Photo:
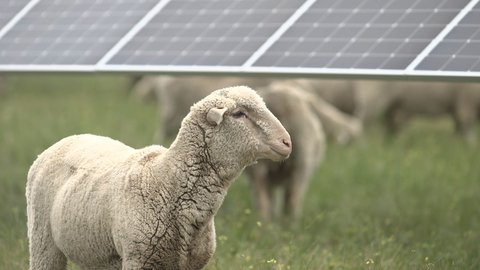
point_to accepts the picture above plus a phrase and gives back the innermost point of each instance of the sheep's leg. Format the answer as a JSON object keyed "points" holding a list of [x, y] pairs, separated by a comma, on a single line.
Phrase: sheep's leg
{"points": [[44, 254], [465, 115], [262, 192], [395, 119], [294, 194]]}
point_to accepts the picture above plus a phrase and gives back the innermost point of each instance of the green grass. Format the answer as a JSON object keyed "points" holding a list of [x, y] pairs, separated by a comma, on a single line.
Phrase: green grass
{"points": [[411, 202]]}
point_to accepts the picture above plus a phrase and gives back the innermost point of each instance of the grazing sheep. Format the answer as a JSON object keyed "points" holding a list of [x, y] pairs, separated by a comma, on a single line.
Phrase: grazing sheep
{"points": [[339, 93], [296, 112], [402, 100], [175, 95], [467, 110], [349, 96], [105, 205], [339, 126]]}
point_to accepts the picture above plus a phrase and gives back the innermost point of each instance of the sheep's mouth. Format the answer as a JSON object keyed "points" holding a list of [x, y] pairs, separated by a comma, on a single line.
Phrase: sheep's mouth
{"points": [[280, 152], [274, 151]]}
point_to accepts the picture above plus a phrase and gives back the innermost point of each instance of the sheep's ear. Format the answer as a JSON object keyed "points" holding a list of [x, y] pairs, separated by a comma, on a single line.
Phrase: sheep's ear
{"points": [[215, 115]]}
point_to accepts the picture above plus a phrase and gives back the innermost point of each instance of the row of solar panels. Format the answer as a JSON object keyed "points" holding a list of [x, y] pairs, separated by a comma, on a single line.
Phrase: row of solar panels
{"points": [[343, 37]]}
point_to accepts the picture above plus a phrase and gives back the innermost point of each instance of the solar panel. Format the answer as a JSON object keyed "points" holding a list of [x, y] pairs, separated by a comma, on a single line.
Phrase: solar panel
{"points": [[77, 32], [361, 34], [460, 49], [205, 33], [323, 37]]}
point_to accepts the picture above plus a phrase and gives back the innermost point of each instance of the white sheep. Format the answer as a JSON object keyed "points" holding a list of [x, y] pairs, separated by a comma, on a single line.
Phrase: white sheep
{"points": [[404, 100], [104, 205], [398, 101], [175, 94], [296, 110]]}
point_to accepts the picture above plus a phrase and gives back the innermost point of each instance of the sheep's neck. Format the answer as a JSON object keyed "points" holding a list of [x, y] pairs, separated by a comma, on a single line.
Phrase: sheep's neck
{"points": [[202, 185], [191, 146]]}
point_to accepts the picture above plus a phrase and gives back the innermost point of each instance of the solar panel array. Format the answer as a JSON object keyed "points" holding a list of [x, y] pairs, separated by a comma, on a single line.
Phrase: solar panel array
{"points": [[363, 37]]}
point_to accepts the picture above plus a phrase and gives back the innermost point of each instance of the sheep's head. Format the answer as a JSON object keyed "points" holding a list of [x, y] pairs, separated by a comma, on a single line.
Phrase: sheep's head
{"points": [[239, 128]]}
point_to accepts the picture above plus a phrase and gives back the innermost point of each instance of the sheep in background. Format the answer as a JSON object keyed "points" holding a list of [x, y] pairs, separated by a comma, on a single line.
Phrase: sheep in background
{"points": [[339, 93], [297, 114], [467, 110], [105, 205], [142, 87], [340, 126], [175, 95], [351, 97], [399, 101]]}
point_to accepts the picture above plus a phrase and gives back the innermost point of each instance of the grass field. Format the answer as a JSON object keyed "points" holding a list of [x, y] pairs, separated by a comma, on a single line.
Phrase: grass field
{"points": [[412, 202]]}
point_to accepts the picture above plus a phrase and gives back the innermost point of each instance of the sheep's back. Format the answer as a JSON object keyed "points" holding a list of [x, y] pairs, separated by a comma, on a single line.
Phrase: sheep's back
{"points": [[72, 184]]}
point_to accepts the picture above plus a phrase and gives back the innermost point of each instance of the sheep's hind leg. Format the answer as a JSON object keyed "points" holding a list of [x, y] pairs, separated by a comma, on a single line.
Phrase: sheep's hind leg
{"points": [[44, 254]]}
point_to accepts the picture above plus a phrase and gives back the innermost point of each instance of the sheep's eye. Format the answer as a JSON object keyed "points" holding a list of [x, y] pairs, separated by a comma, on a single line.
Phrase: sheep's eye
{"points": [[239, 114]]}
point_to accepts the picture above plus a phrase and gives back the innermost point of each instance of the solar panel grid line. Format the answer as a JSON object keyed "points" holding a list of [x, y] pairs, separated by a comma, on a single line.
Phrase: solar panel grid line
{"points": [[418, 28], [68, 49], [135, 29], [18, 17], [441, 35], [228, 11], [285, 26], [477, 63], [341, 52], [325, 11], [54, 41], [458, 54], [406, 39]]}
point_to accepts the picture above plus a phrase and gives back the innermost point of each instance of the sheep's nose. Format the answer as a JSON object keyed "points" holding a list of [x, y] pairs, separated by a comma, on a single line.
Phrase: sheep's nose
{"points": [[287, 143]]}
